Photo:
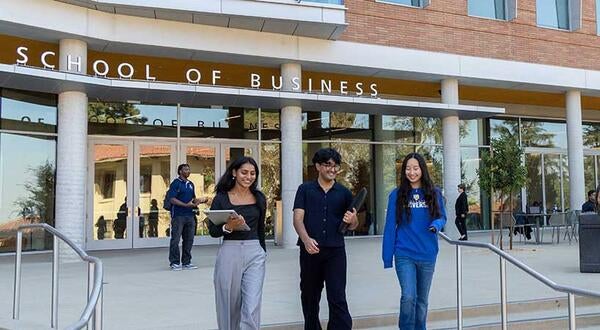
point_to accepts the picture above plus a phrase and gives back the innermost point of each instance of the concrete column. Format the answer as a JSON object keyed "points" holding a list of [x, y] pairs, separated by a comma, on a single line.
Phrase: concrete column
{"points": [[575, 150], [71, 158], [451, 142], [291, 154]]}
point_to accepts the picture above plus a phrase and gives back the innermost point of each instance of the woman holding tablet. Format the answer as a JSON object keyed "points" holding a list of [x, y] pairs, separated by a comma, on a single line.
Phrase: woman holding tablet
{"points": [[240, 265]]}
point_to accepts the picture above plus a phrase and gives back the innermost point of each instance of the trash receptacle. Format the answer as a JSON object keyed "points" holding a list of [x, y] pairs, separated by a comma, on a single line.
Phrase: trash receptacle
{"points": [[589, 243]]}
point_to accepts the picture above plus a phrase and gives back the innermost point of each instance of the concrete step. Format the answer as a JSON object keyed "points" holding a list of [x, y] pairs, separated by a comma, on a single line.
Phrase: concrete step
{"points": [[552, 313], [7, 323]]}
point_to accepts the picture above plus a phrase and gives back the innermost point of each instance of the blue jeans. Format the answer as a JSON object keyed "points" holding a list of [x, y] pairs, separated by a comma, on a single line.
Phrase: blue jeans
{"points": [[415, 281]]}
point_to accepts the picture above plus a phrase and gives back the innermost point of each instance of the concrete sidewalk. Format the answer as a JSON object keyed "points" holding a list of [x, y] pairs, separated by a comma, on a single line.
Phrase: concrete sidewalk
{"points": [[142, 293]]}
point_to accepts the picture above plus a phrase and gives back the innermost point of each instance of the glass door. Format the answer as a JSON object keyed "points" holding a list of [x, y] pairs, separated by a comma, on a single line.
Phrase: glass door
{"points": [[205, 172], [110, 173], [154, 169]]}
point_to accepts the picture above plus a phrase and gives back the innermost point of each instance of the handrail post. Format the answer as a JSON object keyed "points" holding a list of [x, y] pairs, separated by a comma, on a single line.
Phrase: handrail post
{"points": [[98, 310], [91, 269], [503, 312], [459, 314], [55, 263], [17, 284], [572, 315]]}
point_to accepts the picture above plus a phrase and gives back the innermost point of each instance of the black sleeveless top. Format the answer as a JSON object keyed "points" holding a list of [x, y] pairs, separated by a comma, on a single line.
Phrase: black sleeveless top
{"points": [[254, 215]]}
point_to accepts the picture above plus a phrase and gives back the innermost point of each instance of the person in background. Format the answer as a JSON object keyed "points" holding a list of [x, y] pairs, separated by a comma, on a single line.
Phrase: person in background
{"points": [[153, 219], [240, 267], [183, 200], [590, 204], [415, 214], [462, 208]]}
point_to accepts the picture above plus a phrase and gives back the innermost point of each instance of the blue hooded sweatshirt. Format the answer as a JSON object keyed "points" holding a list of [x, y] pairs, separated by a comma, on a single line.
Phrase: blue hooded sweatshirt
{"points": [[412, 239]]}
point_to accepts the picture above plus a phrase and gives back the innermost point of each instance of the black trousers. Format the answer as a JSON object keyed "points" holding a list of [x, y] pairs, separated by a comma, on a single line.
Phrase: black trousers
{"points": [[461, 224], [181, 227], [326, 267]]}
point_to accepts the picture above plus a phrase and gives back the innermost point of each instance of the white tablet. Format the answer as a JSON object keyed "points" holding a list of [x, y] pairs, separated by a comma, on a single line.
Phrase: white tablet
{"points": [[219, 217]]}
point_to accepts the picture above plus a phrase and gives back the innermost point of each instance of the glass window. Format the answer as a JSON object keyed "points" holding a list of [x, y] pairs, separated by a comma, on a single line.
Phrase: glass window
{"points": [[26, 188], [270, 125], [533, 163], [270, 175], [543, 134], [413, 3], [28, 111], [428, 130], [504, 127], [337, 125], [395, 128], [478, 217], [591, 135], [117, 118], [471, 132], [589, 171], [488, 8], [219, 122], [553, 13], [598, 17]]}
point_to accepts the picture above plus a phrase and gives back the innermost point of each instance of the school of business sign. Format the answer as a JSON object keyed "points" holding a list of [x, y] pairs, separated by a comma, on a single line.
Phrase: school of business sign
{"points": [[125, 70]]}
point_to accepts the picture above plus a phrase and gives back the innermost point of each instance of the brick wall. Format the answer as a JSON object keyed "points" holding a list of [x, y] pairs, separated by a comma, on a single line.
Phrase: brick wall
{"points": [[444, 26]]}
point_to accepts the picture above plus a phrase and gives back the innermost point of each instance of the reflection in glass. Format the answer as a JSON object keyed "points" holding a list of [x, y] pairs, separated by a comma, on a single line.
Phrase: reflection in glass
{"points": [[413, 3], [589, 172], [116, 118], [434, 156], [471, 132], [500, 128], [202, 166], [428, 130], [155, 177], [395, 128], [533, 163], [552, 165], [591, 136], [478, 216], [565, 183], [26, 189], [553, 13], [337, 125], [487, 8], [270, 125], [219, 122], [110, 210], [270, 175], [543, 134], [28, 111]]}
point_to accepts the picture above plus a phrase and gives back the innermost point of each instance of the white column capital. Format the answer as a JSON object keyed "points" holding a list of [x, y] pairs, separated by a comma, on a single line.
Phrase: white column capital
{"points": [[73, 56]]}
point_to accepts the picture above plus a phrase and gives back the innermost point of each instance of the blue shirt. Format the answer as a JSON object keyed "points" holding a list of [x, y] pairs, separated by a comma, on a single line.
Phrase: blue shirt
{"points": [[323, 211], [412, 238], [183, 190]]}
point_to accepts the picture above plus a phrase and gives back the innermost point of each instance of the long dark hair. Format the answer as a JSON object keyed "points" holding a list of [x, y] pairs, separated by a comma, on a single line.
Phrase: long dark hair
{"points": [[404, 190], [227, 181], [596, 205]]}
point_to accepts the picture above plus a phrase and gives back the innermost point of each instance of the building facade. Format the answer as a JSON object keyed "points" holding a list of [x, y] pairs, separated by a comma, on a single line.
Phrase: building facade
{"points": [[101, 100]]}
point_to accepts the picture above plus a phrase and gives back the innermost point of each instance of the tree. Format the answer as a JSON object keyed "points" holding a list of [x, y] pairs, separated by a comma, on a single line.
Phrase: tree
{"points": [[502, 171]]}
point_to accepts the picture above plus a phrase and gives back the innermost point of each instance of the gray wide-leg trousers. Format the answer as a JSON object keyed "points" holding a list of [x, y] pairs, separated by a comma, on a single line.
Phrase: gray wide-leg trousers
{"points": [[238, 279]]}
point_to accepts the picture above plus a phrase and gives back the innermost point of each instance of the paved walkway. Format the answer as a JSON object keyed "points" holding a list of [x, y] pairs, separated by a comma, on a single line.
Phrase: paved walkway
{"points": [[143, 294]]}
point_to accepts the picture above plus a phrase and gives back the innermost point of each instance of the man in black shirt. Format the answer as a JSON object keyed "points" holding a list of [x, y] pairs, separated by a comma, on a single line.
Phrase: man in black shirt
{"points": [[462, 208], [590, 205], [319, 208]]}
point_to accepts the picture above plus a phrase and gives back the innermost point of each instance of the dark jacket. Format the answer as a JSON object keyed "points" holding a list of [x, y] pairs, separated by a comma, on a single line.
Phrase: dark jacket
{"points": [[461, 206]]}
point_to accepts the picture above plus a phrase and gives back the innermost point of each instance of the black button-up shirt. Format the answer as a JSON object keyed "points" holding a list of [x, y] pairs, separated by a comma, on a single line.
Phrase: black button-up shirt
{"points": [[323, 211]]}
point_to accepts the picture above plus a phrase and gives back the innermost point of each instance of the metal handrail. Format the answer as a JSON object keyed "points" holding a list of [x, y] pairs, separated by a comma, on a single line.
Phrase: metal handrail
{"points": [[95, 278], [569, 290]]}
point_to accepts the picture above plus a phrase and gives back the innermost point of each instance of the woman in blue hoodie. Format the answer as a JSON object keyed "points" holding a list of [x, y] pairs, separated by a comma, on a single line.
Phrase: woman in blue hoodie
{"points": [[415, 213]]}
